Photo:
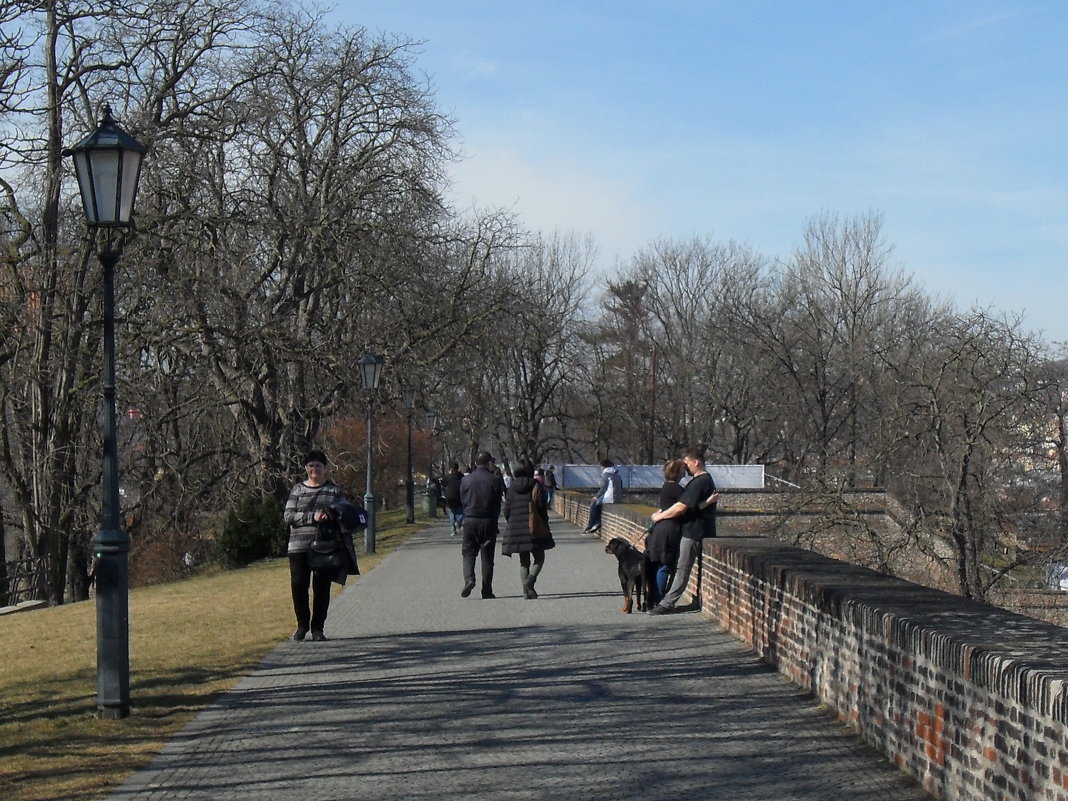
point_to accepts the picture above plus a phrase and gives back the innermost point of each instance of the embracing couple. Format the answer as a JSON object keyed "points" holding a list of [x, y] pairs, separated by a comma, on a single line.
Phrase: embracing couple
{"points": [[691, 518]]}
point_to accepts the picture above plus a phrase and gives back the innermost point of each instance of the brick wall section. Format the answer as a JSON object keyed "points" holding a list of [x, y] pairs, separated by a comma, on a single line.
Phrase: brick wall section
{"points": [[970, 699]]}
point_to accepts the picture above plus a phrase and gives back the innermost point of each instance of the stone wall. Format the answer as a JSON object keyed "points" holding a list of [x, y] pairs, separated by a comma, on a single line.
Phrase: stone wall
{"points": [[862, 527], [1050, 605], [970, 699]]}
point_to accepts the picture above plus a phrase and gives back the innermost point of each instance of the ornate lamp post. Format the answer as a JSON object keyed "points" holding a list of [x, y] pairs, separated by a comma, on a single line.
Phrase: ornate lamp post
{"points": [[371, 369], [408, 394], [108, 165]]}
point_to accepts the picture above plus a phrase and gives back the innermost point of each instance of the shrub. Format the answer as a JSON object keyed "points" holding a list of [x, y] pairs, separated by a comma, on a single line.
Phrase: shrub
{"points": [[252, 531]]}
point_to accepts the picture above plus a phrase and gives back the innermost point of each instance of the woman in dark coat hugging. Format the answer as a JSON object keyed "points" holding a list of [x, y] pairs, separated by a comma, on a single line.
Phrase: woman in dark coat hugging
{"points": [[527, 532], [662, 544]]}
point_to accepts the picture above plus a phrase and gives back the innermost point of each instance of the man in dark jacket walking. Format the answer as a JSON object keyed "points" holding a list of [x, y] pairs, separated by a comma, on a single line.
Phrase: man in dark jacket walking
{"points": [[481, 492]]}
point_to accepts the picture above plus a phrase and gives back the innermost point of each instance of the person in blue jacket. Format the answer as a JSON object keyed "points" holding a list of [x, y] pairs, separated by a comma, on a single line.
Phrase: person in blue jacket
{"points": [[611, 491]]}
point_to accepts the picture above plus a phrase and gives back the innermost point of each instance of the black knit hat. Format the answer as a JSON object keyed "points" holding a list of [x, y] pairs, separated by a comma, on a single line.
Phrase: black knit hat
{"points": [[315, 456]]}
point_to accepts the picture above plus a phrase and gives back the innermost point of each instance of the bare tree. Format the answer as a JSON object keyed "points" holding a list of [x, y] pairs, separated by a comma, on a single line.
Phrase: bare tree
{"points": [[963, 398], [823, 324], [535, 341], [46, 389], [325, 165], [83, 55]]}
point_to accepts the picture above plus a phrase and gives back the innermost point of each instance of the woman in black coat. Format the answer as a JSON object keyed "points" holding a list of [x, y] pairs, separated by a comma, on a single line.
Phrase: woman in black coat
{"points": [[527, 530], [662, 544]]}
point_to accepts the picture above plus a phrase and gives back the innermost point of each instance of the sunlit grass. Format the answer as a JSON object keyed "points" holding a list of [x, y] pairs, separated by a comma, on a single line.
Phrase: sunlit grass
{"points": [[189, 641]]}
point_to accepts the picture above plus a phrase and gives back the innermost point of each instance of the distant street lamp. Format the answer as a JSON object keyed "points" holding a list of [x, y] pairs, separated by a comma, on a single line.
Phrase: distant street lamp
{"points": [[108, 165], [371, 369], [441, 432], [432, 500], [432, 424], [408, 394]]}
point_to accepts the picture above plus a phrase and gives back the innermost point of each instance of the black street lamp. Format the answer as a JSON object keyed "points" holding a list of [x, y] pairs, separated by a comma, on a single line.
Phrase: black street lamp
{"points": [[432, 501], [408, 394], [371, 369], [108, 166]]}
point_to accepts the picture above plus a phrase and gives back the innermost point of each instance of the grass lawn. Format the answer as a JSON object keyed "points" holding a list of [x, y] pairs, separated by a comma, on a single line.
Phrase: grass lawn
{"points": [[189, 642]]}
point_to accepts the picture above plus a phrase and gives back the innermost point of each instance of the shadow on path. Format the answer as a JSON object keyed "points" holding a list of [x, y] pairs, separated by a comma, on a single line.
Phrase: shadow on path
{"points": [[423, 695]]}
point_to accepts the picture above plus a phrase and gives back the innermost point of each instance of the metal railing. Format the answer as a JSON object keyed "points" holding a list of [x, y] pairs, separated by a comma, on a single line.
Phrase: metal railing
{"points": [[22, 580]]}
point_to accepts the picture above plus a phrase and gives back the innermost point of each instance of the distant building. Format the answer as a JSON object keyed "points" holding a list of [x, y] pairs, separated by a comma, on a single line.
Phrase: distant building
{"points": [[1058, 576]]}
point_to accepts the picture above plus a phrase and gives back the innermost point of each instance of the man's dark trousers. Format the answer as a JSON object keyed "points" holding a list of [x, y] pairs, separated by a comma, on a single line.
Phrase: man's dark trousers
{"points": [[480, 538]]}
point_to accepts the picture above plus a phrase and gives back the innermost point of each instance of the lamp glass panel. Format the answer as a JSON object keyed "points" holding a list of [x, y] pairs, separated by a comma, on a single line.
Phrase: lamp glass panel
{"points": [[85, 184], [105, 172], [371, 367], [131, 169]]}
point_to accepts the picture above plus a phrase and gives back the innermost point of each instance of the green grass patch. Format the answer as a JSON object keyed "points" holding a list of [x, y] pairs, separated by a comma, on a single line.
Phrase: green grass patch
{"points": [[190, 641]]}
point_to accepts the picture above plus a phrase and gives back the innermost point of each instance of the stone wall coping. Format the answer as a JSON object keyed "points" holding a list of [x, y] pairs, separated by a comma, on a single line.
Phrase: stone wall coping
{"points": [[747, 502]]}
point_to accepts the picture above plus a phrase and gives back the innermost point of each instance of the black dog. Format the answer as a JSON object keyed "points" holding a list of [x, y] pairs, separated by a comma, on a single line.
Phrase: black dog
{"points": [[634, 573]]}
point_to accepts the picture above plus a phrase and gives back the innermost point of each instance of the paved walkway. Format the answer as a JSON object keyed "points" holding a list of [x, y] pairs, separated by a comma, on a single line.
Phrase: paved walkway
{"points": [[421, 694]]}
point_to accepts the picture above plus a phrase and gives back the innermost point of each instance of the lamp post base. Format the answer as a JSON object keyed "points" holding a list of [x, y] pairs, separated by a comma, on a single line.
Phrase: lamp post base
{"points": [[112, 625], [112, 712], [369, 532]]}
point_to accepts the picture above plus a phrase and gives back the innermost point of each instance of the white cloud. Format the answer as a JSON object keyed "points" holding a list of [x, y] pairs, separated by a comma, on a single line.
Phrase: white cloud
{"points": [[471, 65], [546, 190], [966, 28]]}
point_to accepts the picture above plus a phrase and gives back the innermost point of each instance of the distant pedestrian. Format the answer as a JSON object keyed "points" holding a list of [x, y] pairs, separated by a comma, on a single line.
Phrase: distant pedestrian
{"points": [[611, 491], [527, 532], [434, 491], [696, 512], [308, 505], [454, 504], [481, 492], [550, 485]]}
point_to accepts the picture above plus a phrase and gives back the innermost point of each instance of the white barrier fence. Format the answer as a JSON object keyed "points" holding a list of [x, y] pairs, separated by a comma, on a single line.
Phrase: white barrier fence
{"points": [[651, 476]]}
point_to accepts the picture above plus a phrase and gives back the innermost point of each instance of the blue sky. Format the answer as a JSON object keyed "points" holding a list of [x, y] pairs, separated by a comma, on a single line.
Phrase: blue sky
{"points": [[732, 120]]}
